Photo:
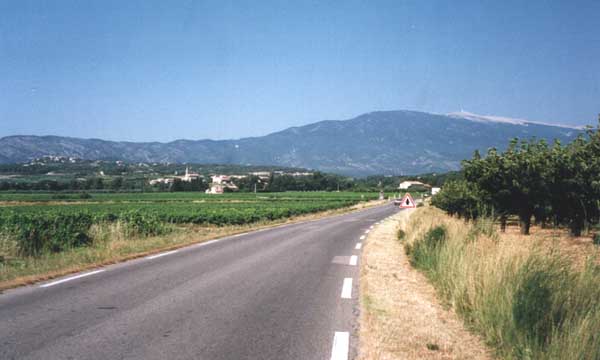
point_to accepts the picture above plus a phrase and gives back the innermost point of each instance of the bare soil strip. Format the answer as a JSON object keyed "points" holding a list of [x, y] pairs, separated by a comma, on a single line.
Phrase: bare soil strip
{"points": [[401, 318]]}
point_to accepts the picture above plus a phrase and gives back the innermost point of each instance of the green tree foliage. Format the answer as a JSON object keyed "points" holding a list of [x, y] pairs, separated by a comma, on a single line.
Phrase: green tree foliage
{"points": [[318, 181], [116, 183], [459, 198], [250, 183], [194, 185], [558, 184]]}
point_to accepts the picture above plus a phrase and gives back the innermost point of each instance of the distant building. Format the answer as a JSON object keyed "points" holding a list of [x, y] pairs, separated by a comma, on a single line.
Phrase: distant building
{"points": [[223, 183], [405, 185], [221, 188], [435, 190], [162, 181], [220, 179], [263, 175], [187, 177], [238, 176], [215, 189], [301, 174]]}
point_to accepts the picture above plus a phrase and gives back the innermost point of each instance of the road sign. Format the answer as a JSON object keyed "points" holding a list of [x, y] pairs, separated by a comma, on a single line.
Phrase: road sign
{"points": [[407, 202]]}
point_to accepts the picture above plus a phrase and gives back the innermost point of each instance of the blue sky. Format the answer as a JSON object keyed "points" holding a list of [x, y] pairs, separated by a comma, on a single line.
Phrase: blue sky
{"points": [[159, 71]]}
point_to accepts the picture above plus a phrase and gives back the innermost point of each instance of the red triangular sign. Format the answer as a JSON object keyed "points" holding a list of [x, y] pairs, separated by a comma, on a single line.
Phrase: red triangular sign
{"points": [[407, 202]]}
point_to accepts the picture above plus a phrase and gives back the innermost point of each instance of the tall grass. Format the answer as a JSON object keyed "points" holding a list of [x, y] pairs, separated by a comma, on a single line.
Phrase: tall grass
{"points": [[525, 298]]}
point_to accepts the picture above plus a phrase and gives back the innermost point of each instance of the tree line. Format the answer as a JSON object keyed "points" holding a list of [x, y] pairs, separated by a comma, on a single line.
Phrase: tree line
{"points": [[553, 184]]}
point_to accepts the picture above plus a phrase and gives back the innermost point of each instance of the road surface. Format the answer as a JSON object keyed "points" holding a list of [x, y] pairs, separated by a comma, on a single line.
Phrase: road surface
{"points": [[288, 292]]}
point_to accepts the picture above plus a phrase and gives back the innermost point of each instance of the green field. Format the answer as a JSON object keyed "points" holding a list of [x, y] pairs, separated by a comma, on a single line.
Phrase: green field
{"points": [[181, 196], [42, 223]]}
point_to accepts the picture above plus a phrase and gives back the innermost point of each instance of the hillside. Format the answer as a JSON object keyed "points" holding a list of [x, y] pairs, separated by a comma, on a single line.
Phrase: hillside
{"points": [[384, 142]]}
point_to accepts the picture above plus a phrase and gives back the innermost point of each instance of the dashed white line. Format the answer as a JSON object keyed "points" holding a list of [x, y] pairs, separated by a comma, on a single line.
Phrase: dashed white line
{"points": [[160, 255], [362, 237], [370, 227], [72, 278], [347, 288], [353, 260], [366, 232], [341, 343], [358, 246]]}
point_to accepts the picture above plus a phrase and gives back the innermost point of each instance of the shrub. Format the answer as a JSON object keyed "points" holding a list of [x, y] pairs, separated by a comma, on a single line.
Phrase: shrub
{"points": [[484, 225], [46, 232], [85, 195], [423, 252], [596, 239], [401, 234], [138, 224], [532, 305]]}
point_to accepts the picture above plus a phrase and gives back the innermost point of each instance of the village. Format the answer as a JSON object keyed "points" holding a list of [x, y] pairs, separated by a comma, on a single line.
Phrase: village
{"points": [[220, 183]]}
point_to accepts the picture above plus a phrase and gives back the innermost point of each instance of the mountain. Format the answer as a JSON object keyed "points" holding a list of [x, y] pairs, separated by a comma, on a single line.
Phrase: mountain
{"points": [[382, 142]]}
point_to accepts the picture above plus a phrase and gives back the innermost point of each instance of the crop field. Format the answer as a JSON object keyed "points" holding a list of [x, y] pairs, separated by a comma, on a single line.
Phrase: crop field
{"points": [[41, 223], [11, 197]]}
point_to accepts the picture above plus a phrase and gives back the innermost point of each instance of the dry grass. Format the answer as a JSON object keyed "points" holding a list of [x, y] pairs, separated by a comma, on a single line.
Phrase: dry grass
{"points": [[110, 246], [481, 274], [400, 315]]}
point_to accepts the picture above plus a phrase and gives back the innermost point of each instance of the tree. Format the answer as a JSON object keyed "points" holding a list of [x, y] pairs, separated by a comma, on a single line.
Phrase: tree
{"points": [[177, 185], [249, 183], [490, 176], [525, 176], [116, 183], [97, 183], [460, 198]]}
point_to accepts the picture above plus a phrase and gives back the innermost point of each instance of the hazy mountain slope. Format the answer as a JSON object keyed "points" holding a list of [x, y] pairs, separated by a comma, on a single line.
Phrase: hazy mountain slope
{"points": [[386, 142]]}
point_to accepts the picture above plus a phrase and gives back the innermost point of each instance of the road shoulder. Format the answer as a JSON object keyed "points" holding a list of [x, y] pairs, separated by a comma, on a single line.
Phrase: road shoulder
{"points": [[400, 316]]}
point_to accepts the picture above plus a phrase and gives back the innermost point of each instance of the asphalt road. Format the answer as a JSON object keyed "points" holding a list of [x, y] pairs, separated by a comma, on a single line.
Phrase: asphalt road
{"points": [[278, 293]]}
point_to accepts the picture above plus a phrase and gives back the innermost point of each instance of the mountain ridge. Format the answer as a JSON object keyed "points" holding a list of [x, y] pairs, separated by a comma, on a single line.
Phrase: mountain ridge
{"points": [[398, 142]]}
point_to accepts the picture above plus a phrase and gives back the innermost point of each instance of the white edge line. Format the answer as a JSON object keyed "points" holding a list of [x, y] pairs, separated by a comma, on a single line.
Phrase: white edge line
{"points": [[341, 343], [160, 255], [208, 243], [353, 260], [358, 246], [347, 288], [72, 278]]}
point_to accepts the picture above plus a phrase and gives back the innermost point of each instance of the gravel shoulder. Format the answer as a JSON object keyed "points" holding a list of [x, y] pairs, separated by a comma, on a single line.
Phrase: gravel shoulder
{"points": [[400, 315]]}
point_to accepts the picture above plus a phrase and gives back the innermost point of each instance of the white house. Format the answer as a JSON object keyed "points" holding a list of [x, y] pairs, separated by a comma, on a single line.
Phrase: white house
{"points": [[407, 184], [215, 189], [189, 176], [222, 183], [220, 179], [435, 190]]}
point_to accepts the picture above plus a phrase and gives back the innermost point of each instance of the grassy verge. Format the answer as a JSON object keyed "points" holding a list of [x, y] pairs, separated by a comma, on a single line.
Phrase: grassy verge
{"points": [[115, 242], [530, 298], [400, 316]]}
